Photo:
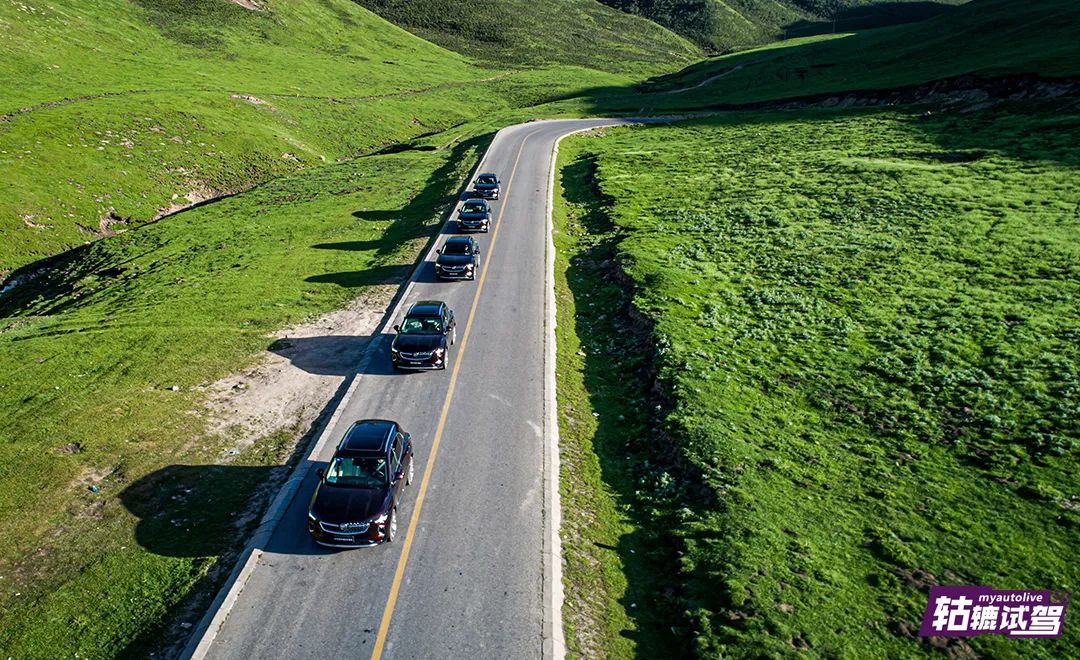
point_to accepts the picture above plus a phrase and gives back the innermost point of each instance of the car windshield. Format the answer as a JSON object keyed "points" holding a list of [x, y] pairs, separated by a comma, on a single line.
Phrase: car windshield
{"points": [[486, 179], [429, 325], [473, 208], [357, 472], [457, 247]]}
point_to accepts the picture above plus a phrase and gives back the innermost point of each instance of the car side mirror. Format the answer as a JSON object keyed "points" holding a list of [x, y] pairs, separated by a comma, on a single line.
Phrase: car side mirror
{"points": [[397, 328], [320, 472], [399, 475], [408, 436]]}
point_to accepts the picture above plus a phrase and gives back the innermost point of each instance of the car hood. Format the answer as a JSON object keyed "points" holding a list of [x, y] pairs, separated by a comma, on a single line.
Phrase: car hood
{"points": [[335, 504], [479, 215], [454, 259], [413, 343], [486, 186]]}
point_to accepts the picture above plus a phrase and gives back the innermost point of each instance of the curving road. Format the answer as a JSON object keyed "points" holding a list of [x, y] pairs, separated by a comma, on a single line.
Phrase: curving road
{"points": [[467, 578]]}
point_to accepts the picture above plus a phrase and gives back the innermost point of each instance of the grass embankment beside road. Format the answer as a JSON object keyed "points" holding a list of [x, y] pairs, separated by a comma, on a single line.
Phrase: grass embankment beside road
{"points": [[92, 351], [865, 325], [614, 542]]}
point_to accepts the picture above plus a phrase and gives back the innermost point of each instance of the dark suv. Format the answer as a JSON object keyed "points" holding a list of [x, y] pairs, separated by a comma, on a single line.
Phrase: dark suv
{"points": [[459, 258], [424, 336], [474, 215], [357, 498], [487, 186]]}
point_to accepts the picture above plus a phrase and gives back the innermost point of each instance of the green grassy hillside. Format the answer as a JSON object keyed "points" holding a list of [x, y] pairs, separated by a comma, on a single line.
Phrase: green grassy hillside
{"points": [[113, 112], [516, 32], [984, 37], [865, 329], [724, 25]]}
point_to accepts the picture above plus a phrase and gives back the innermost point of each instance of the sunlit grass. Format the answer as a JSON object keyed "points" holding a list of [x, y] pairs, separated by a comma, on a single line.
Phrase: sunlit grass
{"points": [[867, 326]]}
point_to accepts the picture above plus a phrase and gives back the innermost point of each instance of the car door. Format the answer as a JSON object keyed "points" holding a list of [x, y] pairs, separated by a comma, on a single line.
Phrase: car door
{"points": [[396, 465]]}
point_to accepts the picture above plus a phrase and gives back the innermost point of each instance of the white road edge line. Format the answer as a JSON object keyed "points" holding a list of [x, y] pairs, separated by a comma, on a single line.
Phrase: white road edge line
{"points": [[205, 633]]}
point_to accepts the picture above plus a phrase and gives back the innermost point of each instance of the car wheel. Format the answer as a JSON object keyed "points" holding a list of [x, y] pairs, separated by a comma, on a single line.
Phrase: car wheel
{"points": [[391, 526], [412, 469]]}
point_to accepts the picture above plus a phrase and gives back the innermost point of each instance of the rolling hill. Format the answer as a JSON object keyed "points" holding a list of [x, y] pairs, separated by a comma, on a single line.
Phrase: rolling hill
{"points": [[116, 113], [984, 38], [519, 32], [724, 25]]}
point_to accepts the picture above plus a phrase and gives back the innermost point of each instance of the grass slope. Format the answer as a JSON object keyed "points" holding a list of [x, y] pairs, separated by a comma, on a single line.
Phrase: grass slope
{"points": [[984, 37], [520, 32], [866, 329], [116, 112], [724, 25]]}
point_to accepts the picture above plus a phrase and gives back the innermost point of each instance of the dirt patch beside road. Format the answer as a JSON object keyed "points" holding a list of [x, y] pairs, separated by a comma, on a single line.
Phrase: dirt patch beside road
{"points": [[304, 365]]}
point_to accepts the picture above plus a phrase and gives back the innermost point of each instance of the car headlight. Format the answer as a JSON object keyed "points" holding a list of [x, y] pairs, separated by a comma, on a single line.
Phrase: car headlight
{"points": [[394, 351], [438, 352], [311, 517], [381, 520]]}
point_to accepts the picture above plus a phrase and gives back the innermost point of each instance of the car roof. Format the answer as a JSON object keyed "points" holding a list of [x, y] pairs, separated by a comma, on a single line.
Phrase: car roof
{"points": [[368, 437], [425, 308], [477, 200], [487, 174], [459, 239]]}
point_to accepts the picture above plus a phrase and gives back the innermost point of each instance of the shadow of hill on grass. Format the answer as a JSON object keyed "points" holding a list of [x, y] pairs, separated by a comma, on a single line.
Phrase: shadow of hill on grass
{"points": [[868, 17]]}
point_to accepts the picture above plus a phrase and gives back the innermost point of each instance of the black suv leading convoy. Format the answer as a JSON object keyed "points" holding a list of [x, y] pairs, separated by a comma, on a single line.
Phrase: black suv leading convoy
{"points": [[357, 498], [424, 336]]}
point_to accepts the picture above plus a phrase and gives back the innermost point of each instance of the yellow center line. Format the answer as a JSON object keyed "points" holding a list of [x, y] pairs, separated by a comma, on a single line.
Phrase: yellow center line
{"points": [[395, 586]]}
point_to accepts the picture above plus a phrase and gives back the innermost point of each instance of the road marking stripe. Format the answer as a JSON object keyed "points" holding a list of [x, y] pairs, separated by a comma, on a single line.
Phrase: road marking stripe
{"points": [[399, 572]]}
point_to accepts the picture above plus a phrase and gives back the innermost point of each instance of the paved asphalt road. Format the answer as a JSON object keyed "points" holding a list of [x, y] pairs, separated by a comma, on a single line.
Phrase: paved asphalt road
{"points": [[472, 585]]}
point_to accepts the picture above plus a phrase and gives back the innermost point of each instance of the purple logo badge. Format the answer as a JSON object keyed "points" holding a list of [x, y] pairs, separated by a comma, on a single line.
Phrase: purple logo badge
{"points": [[969, 611]]}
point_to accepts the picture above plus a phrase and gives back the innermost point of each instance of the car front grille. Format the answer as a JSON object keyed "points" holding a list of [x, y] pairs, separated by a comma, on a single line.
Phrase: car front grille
{"points": [[416, 356], [345, 528]]}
